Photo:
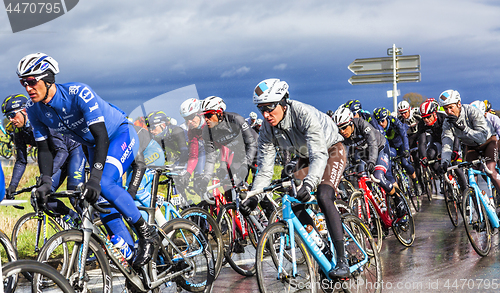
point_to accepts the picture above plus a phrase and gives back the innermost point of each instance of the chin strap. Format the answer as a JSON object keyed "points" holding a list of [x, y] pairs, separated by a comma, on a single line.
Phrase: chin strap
{"points": [[47, 85]]}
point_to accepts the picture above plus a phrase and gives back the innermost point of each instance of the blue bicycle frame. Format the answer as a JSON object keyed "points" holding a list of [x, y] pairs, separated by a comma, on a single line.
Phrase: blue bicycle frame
{"points": [[490, 210], [294, 223]]}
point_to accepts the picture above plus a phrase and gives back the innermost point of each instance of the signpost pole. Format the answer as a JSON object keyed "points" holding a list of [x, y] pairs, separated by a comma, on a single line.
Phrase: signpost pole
{"points": [[394, 81]]}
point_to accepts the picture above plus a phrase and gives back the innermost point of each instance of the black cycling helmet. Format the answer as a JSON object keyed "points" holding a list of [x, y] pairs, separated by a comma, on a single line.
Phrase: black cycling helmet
{"points": [[381, 113], [488, 105], [329, 113], [14, 103]]}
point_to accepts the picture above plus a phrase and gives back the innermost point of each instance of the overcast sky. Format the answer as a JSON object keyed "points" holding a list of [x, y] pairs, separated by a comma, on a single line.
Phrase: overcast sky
{"points": [[133, 51]]}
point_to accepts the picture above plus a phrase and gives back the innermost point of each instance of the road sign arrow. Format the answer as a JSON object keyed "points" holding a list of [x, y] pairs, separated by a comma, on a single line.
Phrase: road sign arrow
{"points": [[385, 64], [384, 78]]}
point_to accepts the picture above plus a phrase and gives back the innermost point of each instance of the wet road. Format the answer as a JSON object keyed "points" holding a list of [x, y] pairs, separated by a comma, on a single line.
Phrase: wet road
{"points": [[440, 260]]}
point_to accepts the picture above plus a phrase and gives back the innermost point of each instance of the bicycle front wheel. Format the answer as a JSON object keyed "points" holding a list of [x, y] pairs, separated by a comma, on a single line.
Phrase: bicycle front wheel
{"points": [[451, 204], [31, 232], [44, 273], [97, 273], [404, 229], [276, 276], [357, 238], [191, 248], [476, 223], [8, 254], [210, 228], [358, 206], [240, 240]]}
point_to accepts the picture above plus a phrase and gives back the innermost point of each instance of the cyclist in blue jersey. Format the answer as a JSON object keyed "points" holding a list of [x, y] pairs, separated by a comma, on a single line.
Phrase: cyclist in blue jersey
{"points": [[75, 110], [358, 112]]}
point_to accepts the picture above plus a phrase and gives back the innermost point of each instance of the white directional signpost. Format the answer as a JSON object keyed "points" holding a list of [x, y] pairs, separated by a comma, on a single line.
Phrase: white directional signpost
{"points": [[396, 68]]}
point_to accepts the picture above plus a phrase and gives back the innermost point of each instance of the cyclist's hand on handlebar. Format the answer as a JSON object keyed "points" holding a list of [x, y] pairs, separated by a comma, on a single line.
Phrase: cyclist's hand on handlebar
{"points": [[304, 193], [184, 177], [44, 189], [406, 154], [92, 190], [443, 168], [424, 161], [9, 192], [201, 185], [249, 205], [370, 167]]}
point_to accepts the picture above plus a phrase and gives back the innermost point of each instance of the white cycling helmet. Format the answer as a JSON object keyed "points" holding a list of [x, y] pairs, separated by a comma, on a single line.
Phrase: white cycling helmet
{"points": [[342, 116], [173, 121], [36, 64], [403, 106], [253, 115], [480, 105], [213, 103], [258, 121], [449, 97], [270, 91], [190, 107]]}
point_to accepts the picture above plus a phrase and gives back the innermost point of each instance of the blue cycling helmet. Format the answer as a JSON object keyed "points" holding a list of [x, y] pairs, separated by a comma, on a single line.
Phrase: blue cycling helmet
{"points": [[381, 113], [14, 103], [354, 106]]}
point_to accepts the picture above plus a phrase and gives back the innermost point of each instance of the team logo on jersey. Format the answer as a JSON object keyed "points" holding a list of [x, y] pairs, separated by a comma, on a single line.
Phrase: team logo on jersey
{"points": [[73, 90], [86, 94], [98, 166], [95, 107], [48, 115]]}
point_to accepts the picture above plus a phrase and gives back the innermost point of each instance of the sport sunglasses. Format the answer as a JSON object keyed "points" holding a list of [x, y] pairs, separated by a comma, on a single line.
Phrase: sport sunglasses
{"points": [[31, 81], [11, 115], [267, 108]]}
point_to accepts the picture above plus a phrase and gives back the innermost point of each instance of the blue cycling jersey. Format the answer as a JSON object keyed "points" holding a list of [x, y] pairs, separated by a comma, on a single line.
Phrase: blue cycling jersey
{"points": [[74, 107]]}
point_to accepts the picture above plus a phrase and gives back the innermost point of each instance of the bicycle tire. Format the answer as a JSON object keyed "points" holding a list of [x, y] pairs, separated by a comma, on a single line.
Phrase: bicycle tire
{"points": [[6, 151], [478, 231], [268, 262], [371, 272], [427, 178], [23, 232], [405, 233], [358, 206], [450, 199], [211, 229], [239, 252], [10, 253], [189, 238], [38, 270], [96, 260]]}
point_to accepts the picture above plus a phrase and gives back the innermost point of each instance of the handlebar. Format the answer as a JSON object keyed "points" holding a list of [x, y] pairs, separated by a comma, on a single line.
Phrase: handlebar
{"points": [[284, 182]]}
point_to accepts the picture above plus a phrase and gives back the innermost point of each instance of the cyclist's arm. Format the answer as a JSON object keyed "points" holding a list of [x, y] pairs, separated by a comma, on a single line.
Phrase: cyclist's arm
{"points": [[100, 134], [476, 126], [248, 139], [210, 153], [180, 139], [21, 161], [447, 139], [495, 122], [402, 132], [45, 159], [194, 149], [265, 157], [422, 143], [58, 146], [371, 140]]}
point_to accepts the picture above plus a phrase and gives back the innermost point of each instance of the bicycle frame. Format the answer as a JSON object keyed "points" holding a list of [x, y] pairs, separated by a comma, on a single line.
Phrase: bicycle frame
{"points": [[369, 199], [482, 198]]}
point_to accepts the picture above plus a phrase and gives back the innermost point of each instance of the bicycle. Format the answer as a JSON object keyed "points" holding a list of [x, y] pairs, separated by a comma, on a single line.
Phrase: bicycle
{"points": [[42, 223], [184, 257], [373, 206], [197, 215], [428, 180], [478, 211], [284, 262], [405, 184]]}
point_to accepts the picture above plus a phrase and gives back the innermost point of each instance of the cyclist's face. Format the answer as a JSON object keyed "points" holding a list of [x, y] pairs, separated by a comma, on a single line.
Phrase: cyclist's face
{"points": [[429, 120], [211, 119], [19, 121], [453, 109], [275, 116], [406, 114], [347, 131], [383, 123], [37, 91], [194, 122], [157, 129]]}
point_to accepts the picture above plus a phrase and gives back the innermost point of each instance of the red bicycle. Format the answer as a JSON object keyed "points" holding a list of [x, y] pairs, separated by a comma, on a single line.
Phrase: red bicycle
{"points": [[376, 209]]}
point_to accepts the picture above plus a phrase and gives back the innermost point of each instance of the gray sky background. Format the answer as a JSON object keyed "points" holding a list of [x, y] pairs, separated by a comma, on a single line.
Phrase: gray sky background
{"points": [[132, 51]]}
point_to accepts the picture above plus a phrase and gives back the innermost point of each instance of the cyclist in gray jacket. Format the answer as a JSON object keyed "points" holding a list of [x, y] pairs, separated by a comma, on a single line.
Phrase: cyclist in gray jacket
{"points": [[314, 138], [468, 124]]}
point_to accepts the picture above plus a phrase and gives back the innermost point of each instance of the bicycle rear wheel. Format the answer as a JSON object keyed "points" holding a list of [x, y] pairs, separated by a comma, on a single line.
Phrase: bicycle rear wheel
{"points": [[239, 249], [274, 277], [44, 274], [30, 227], [427, 181], [358, 206], [371, 271], [404, 229], [194, 247], [8, 254], [476, 223], [210, 228]]}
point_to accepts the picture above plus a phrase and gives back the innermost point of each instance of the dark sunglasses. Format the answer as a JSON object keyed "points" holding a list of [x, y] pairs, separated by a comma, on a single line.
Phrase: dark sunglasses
{"points": [[267, 108], [31, 81], [209, 114], [11, 115], [190, 117], [343, 127]]}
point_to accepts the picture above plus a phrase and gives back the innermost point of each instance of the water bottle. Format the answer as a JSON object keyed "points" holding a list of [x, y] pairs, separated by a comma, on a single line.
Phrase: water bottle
{"points": [[321, 224], [380, 202], [121, 245], [315, 236]]}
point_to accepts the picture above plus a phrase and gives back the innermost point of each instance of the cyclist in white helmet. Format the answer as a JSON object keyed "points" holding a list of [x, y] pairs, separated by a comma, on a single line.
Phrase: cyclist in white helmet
{"points": [[315, 139], [468, 124], [252, 119]]}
